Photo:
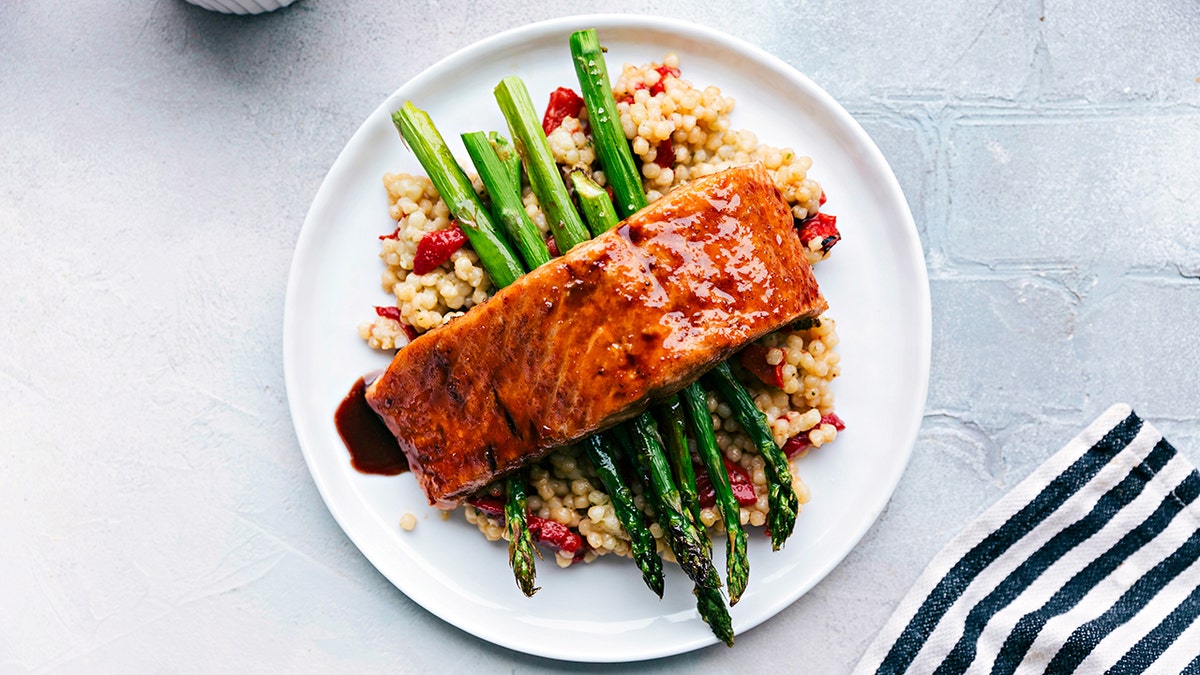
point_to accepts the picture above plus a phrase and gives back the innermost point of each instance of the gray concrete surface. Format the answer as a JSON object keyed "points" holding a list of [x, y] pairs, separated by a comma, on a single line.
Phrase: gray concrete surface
{"points": [[156, 163]]}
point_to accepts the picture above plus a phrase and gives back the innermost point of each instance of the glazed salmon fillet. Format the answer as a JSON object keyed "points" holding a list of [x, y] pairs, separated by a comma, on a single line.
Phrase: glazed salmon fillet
{"points": [[593, 337]]}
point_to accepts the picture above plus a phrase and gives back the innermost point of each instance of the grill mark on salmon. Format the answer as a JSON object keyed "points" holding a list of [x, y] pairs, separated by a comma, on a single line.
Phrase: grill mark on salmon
{"points": [[508, 418]]}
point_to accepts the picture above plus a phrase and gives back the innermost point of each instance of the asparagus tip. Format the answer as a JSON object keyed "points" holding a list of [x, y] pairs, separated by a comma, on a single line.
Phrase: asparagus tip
{"points": [[712, 610], [655, 584]]}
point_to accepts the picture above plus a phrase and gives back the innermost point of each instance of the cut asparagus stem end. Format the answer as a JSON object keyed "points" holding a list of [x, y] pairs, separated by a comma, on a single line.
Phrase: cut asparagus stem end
{"points": [[597, 208], [508, 157], [506, 200], [544, 176], [422, 137], [607, 134]]}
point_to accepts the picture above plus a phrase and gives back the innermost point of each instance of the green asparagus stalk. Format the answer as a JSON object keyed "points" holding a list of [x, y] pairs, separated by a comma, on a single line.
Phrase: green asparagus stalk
{"points": [[607, 134], [598, 210], [508, 157], [600, 218], [621, 170], [737, 562], [427, 144], [711, 606], [706, 586], [673, 424], [642, 545], [502, 266], [780, 493], [622, 173], [685, 539], [506, 200], [544, 176], [520, 541]]}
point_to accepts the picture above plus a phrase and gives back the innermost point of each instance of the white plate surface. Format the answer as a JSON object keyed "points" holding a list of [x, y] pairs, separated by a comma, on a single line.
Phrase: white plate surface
{"points": [[875, 284]]}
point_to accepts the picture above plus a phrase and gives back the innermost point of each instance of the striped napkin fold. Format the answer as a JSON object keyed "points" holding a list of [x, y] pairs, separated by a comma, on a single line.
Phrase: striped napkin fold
{"points": [[1089, 565]]}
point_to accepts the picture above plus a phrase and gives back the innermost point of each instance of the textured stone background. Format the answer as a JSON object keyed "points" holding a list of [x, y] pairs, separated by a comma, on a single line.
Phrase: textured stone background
{"points": [[156, 162]]}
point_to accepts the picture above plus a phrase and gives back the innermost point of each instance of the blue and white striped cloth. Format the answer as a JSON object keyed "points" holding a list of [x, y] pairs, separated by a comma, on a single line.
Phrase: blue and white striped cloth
{"points": [[1089, 565]]}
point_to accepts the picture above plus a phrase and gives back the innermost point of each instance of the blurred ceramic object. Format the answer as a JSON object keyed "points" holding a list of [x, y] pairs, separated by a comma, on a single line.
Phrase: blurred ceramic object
{"points": [[242, 6]]}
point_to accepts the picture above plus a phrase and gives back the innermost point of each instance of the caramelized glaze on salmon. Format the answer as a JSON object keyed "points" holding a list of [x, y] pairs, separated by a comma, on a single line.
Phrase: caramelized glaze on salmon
{"points": [[591, 338]]}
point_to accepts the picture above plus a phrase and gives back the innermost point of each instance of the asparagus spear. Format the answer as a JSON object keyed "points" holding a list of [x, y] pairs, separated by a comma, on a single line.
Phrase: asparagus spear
{"points": [[506, 200], [520, 541], [674, 425], [544, 176], [427, 144], [709, 602], [617, 160], [668, 500], [711, 606], [597, 208], [502, 266], [607, 134], [622, 173], [780, 493], [640, 437], [600, 216], [508, 157], [603, 455], [737, 563], [685, 539]]}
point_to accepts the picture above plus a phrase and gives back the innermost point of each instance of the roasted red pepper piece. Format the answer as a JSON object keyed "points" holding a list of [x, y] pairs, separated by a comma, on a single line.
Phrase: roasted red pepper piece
{"points": [[394, 313], [739, 480], [833, 419], [665, 154], [661, 85], [798, 443], [754, 359], [628, 98], [550, 533], [821, 227], [563, 103], [436, 248], [658, 87], [795, 445], [388, 312], [492, 507], [393, 235], [556, 536]]}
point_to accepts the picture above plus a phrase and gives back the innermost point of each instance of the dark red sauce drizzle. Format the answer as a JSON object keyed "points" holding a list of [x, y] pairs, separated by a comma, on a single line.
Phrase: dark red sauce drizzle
{"points": [[373, 449]]}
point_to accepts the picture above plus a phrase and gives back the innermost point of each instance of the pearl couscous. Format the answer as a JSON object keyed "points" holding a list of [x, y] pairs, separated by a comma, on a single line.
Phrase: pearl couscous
{"points": [[678, 132]]}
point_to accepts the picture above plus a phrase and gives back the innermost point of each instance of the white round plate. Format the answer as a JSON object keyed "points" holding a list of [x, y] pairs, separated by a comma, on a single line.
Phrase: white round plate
{"points": [[875, 283]]}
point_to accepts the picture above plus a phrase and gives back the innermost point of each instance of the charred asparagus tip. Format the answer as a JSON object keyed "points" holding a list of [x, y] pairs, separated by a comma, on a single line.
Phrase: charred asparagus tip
{"points": [[520, 540], [737, 569]]}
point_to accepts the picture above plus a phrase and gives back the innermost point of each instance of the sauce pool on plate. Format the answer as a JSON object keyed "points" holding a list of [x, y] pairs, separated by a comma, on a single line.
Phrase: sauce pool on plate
{"points": [[372, 447]]}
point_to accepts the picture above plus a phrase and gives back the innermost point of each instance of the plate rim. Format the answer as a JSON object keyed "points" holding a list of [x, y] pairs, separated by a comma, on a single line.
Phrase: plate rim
{"points": [[601, 21]]}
